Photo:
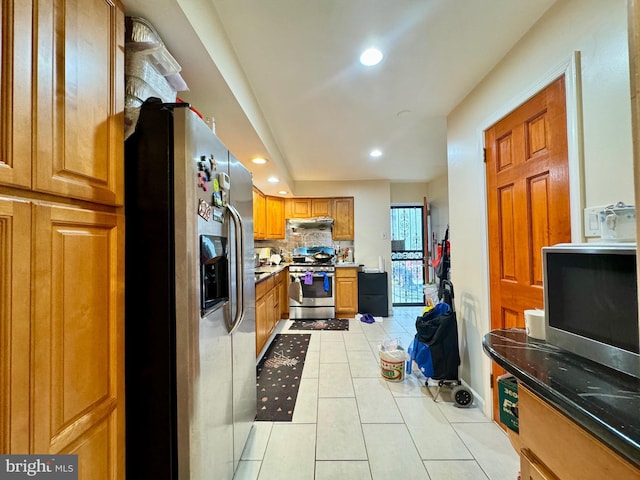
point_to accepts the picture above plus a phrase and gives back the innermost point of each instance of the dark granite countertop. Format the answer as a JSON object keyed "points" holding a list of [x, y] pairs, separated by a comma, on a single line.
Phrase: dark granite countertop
{"points": [[603, 401]]}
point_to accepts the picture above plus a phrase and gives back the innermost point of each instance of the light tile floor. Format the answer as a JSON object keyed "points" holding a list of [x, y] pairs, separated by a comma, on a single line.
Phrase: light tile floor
{"points": [[351, 424]]}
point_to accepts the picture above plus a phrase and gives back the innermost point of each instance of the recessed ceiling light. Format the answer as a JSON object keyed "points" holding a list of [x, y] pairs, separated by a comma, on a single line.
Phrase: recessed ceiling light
{"points": [[259, 160], [370, 57], [273, 179], [283, 192], [375, 153]]}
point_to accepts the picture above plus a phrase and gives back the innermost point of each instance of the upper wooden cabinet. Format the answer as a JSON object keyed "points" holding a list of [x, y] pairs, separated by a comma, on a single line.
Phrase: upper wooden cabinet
{"points": [[15, 105], [343, 218], [307, 207], [298, 208], [340, 208], [268, 216], [259, 215], [275, 217], [78, 147], [320, 207]]}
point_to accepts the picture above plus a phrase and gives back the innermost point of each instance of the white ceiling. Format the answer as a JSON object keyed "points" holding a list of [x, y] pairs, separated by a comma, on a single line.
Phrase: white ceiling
{"points": [[283, 81]]}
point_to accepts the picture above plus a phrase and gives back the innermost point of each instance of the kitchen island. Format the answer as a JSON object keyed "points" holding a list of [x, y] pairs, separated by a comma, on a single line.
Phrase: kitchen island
{"points": [[587, 414]]}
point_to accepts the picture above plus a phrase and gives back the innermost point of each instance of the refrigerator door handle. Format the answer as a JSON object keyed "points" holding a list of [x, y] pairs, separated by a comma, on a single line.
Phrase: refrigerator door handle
{"points": [[239, 259]]}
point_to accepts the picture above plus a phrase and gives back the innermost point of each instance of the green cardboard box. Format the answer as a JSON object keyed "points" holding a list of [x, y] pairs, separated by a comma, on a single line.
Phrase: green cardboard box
{"points": [[508, 398]]}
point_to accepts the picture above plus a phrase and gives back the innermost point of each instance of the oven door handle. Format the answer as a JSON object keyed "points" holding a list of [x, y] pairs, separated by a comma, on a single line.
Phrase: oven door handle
{"points": [[314, 275]]}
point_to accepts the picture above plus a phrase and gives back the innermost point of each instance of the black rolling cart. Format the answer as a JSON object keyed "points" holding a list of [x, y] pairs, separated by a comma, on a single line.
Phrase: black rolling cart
{"points": [[438, 329]]}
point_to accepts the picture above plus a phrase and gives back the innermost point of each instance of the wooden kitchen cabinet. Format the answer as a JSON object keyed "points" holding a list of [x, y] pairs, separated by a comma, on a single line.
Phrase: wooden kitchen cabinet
{"points": [[297, 208], [262, 315], [16, 106], [15, 324], [572, 453], [78, 335], [62, 233], [64, 331], [346, 279], [266, 305], [283, 289], [259, 215], [308, 207], [272, 304], [343, 216], [275, 217], [79, 121], [320, 207]]}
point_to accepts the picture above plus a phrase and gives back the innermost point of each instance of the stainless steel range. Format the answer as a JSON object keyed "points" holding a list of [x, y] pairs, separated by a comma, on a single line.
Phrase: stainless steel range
{"points": [[314, 268]]}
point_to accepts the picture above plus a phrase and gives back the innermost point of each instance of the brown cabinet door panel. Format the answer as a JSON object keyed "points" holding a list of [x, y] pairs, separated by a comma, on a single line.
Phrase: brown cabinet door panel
{"points": [[80, 100], [15, 103], [15, 299], [78, 335]]}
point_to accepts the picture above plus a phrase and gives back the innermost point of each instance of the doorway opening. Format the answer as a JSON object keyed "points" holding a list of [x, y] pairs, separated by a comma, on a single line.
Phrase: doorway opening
{"points": [[407, 256]]}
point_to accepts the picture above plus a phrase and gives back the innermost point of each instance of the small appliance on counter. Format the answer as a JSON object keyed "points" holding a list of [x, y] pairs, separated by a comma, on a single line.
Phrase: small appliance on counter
{"points": [[618, 223], [591, 302]]}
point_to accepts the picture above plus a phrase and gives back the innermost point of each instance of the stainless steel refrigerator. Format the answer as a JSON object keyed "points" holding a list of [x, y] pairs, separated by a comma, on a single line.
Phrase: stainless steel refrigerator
{"points": [[190, 299]]}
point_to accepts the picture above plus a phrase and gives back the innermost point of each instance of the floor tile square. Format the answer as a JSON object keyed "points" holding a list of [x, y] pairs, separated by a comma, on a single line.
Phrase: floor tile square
{"points": [[339, 434]]}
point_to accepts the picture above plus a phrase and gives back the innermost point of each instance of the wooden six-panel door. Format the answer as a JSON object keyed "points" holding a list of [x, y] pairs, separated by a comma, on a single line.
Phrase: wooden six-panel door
{"points": [[527, 202]]}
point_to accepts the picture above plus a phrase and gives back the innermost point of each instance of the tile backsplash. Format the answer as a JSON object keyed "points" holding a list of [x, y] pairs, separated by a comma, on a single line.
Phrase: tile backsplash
{"points": [[303, 238]]}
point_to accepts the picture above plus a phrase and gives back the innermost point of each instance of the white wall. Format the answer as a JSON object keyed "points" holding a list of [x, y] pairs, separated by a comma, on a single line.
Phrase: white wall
{"points": [[596, 28]]}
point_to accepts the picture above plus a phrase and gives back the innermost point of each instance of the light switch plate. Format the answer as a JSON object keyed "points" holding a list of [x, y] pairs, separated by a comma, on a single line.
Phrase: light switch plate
{"points": [[592, 221]]}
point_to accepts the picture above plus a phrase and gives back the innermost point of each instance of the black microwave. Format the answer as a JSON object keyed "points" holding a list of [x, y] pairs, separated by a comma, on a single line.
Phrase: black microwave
{"points": [[591, 302]]}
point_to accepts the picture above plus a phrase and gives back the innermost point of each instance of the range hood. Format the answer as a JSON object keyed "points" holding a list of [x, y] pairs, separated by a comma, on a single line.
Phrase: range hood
{"points": [[320, 223]]}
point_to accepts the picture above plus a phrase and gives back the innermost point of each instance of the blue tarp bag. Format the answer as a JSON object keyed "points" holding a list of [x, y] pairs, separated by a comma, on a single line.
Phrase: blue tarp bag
{"points": [[421, 354]]}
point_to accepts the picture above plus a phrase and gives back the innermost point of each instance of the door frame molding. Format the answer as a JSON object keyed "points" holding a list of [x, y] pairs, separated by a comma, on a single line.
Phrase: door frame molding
{"points": [[570, 68]]}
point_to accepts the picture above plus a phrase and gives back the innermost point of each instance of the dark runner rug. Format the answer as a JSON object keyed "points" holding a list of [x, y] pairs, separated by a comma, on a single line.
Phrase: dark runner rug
{"points": [[320, 324], [278, 376]]}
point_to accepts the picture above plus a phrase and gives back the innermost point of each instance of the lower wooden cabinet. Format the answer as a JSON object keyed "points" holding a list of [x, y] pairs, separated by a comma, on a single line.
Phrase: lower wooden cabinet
{"points": [[346, 291], [271, 306], [554, 447], [62, 360]]}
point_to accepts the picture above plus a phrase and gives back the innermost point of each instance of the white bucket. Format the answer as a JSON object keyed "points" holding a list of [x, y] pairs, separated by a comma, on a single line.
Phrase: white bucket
{"points": [[392, 368]]}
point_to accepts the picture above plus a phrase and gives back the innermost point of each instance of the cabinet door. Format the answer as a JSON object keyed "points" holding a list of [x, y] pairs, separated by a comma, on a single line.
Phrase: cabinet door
{"points": [[346, 291], [15, 287], [275, 217], [79, 147], [78, 338], [259, 215], [298, 207], [343, 218], [15, 103], [261, 321], [320, 207], [284, 293]]}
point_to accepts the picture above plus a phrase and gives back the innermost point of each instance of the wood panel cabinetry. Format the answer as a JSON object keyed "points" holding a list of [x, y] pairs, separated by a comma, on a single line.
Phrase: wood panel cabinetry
{"points": [[346, 291], [272, 304], [571, 454], [259, 215], [340, 208], [307, 207], [275, 217], [343, 218], [268, 216], [61, 232], [283, 285]]}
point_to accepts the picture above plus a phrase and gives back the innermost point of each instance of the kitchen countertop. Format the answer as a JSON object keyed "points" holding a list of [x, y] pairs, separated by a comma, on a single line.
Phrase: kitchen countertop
{"points": [[603, 401], [265, 271]]}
